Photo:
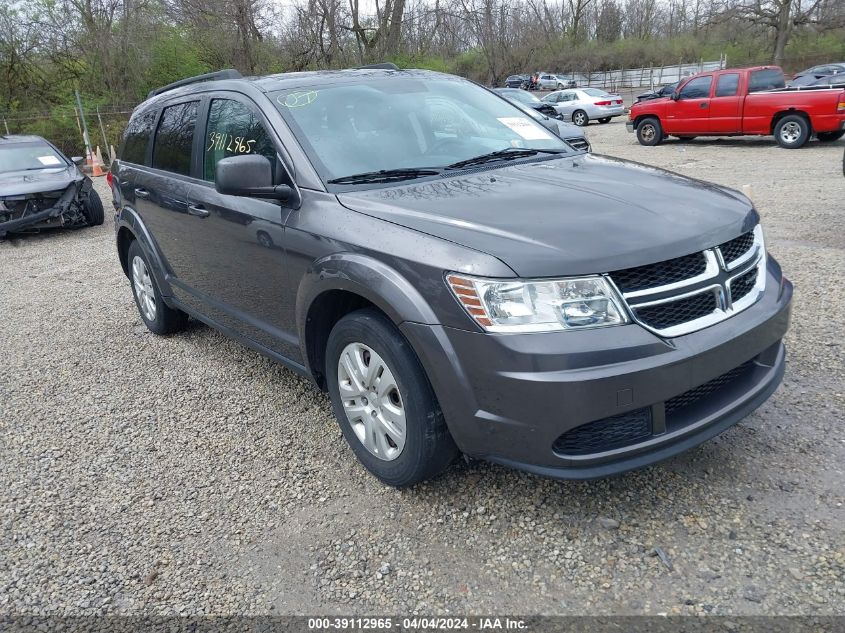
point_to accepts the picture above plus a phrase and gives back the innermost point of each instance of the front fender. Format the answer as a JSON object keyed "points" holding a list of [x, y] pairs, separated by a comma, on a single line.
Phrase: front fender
{"points": [[128, 219], [365, 276]]}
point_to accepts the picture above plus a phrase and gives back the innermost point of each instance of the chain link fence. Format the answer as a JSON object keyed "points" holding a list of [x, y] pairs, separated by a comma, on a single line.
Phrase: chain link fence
{"points": [[647, 77], [62, 126]]}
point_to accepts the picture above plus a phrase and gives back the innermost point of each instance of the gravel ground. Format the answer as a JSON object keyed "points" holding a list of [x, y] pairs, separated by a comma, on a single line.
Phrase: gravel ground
{"points": [[188, 475]]}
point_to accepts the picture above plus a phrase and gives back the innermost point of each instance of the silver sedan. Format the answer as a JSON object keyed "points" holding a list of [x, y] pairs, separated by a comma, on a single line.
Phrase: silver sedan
{"points": [[583, 105]]}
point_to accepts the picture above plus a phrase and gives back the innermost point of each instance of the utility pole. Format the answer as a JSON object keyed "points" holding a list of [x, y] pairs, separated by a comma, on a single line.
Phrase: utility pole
{"points": [[85, 136], [103, 132]]}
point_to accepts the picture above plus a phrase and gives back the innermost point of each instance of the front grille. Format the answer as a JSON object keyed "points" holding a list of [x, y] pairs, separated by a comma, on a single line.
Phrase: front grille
{"points": [[743, 284], [666, 315], [579, 143], [606, 434], [673, 405], [659, 274], [737, 247]]}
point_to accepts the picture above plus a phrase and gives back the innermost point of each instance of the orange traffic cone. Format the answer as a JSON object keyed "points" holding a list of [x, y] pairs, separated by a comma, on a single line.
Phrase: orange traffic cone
{"points": [[97, 167]]}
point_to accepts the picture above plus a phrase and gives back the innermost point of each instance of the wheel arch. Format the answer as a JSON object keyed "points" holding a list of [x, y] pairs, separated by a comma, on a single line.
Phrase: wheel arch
{"points": [[130, 227], [345, 282], [777, 116]]}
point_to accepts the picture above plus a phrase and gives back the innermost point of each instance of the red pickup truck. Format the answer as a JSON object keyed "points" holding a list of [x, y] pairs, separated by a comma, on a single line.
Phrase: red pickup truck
{"points": [[738, 102]]}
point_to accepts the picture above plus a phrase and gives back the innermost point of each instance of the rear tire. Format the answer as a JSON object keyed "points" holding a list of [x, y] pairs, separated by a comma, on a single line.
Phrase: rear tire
{"points": [[580, 118], [372, 411], [92, 209], [605, 120], [650, 132], [157, 316], [792, 131], [830, 137]]}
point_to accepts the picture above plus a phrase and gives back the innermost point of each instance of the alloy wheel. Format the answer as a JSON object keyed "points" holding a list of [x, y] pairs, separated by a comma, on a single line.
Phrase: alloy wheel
{"points": [[371, 401], [143, 286], [790, 133], [648, 132]]}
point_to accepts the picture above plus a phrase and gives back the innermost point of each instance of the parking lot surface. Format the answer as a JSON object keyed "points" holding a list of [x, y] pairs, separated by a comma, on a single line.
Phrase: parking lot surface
{"points": [[188, 475]]}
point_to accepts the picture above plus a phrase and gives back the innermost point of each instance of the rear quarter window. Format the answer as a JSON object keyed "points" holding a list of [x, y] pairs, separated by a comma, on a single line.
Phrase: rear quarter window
{"points": [[174, 139], [136, 137], [767, 79]]}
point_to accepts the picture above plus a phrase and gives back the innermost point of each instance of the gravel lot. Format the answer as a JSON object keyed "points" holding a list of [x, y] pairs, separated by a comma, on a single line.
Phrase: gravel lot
{"points": [[188, 475]]}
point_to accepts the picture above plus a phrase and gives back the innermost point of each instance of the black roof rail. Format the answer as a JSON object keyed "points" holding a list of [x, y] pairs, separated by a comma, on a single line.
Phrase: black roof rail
{"points": [[229, 73], [381, 66]]}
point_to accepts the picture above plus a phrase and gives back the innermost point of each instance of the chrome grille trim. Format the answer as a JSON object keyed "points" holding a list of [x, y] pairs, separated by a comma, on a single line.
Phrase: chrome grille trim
{"points": [[716, 278]]}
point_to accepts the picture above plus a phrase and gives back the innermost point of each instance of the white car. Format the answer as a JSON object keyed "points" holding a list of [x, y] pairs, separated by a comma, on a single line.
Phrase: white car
{"points": [[583, 105], [548, 81]]}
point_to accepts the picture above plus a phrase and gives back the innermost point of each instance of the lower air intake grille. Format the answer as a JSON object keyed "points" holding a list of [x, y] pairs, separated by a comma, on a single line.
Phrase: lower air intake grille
{"points": [[673, 405], [606, 434], [665, 315]]}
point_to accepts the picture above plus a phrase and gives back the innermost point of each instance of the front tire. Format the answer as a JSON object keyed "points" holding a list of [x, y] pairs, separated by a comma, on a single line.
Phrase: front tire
{"points": [[157, 316], [92, 209], [580, 118], [650, 132], [383, 401], [792, 131], [830, 137]]}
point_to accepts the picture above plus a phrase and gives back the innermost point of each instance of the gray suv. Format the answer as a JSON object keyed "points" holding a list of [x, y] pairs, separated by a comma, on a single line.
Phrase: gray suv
{"points": [[457, 278]]}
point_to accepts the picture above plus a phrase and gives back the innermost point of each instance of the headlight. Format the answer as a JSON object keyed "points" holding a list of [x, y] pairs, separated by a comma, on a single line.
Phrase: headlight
{"points": [[542, 305]]}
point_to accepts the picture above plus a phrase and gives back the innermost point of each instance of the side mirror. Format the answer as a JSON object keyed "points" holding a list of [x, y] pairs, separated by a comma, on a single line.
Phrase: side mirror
{"points": [[77, 160], [676, 95], [249, 175]]}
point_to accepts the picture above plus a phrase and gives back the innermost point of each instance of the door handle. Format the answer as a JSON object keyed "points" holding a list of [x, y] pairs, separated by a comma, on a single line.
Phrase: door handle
{"points": [[142, 193], [198, 210], [703, 104]]}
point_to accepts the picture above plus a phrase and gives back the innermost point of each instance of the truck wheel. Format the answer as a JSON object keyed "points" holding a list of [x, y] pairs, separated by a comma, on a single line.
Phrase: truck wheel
{"points": [[383, 401], [157, 316], [792, 131], [650, 132], [580, 118], [829, 137], [92, 209]]}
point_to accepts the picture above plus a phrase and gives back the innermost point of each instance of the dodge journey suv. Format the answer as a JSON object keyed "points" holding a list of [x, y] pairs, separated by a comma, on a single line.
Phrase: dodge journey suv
{"points": [[455, 276]]}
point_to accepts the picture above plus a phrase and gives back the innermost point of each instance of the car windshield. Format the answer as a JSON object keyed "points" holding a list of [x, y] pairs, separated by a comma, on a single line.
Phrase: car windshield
{"points": [[595, 92], [521, 96], [29, 156], [396, 123]]}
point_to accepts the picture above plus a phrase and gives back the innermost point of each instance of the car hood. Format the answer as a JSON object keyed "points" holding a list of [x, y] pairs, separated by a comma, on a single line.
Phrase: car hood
{"points": [[18, 183], [568, 216]]}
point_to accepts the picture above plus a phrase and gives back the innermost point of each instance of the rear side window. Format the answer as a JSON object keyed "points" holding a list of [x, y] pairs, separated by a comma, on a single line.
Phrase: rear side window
{"points": [[698, 88], [768, 79], [233, 129], [175, 138], [137, 136], [727, 85]]}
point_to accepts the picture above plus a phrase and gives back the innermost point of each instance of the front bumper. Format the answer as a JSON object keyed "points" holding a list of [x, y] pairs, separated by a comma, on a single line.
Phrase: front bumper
{"points": [[511, 398], [629, 125], [603, 112]]}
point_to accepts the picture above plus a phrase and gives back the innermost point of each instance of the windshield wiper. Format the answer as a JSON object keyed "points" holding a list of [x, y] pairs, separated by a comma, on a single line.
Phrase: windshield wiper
{"points": [[384, 175], [509, 153]]}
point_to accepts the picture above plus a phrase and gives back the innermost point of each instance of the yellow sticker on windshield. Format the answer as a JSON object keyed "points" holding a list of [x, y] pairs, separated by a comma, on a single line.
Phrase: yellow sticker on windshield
{"points": [[297, 99]]}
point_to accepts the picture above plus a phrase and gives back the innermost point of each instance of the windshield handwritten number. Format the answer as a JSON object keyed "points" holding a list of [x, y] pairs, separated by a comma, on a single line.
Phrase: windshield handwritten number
{"points": [[231, 144]]}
